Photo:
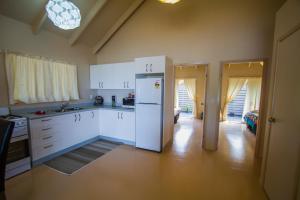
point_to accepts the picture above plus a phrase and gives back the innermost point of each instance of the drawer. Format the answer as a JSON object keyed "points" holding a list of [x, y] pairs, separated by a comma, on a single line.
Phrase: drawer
{"points": [[44, 150]]}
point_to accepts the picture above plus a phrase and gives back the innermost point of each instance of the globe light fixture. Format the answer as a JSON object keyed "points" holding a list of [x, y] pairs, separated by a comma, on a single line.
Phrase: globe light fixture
{"points": [[169, 1], [64, 14]]}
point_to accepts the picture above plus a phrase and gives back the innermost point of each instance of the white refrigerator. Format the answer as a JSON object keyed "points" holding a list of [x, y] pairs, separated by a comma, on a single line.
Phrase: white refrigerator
{"points": [[149, 111]]}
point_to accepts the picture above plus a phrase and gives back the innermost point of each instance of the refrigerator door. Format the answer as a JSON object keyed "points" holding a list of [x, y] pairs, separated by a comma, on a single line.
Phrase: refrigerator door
{"points": [[149, 90], [148, 127]]}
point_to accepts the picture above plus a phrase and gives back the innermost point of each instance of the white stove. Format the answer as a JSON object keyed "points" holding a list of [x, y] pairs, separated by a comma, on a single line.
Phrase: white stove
{"points": [[18, 157]]}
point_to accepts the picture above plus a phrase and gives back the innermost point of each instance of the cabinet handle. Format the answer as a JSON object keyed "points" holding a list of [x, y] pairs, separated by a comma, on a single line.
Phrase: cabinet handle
{"points": [[127, 84], [121, 115], [75, 117], [46, 129], [48, 146], [93, 115], [79, 116], [124, 86], [99, 84], [146, 67], [150, 67], [46, 120], [118, 115], [46, 138], [102, 85]]}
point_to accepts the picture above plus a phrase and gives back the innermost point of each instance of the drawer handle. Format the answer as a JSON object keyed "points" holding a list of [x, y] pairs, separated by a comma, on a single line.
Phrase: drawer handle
{"points": [[48, 146], [46, 120], [46, 129], [46, 138]]}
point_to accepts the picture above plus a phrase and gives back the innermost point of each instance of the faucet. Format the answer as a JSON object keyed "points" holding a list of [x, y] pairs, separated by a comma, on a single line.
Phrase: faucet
{"points": [[63, 106]]}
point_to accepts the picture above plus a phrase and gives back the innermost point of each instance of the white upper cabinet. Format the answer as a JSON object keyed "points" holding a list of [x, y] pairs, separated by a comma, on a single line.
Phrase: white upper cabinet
{"points": [[150, 65], [113, 76]]}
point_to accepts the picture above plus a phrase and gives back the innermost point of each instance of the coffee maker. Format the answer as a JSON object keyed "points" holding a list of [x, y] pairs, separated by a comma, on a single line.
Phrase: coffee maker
{"points": [[99, 101]]}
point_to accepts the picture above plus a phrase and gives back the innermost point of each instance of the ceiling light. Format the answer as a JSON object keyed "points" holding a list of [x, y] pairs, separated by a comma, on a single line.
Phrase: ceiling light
{"points": [[64, 14], [169, 1]]}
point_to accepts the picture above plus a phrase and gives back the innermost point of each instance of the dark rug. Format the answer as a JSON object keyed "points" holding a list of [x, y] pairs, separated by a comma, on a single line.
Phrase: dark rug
{"points": [[72, 161]]}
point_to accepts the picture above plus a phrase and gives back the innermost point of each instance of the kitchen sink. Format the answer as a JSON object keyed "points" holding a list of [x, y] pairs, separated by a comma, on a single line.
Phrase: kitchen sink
{"points": [[68, 109]]}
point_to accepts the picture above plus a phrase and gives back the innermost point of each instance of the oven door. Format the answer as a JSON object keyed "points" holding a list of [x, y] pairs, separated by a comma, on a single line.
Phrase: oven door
{"points": [[18, 157]]}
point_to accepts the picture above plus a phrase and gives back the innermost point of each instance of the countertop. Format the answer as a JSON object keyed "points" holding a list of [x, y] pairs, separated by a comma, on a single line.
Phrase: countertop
{"points": [[51, 113]]}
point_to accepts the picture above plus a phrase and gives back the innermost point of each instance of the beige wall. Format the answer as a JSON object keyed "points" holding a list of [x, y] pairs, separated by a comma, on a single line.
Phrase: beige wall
{"points": [[198, 74], [18, 37], [205, 31], [238, 70]]}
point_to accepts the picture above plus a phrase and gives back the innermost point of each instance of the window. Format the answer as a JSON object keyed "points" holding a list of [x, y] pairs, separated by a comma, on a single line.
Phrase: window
{"points": [[34, 80], [184, 101]]}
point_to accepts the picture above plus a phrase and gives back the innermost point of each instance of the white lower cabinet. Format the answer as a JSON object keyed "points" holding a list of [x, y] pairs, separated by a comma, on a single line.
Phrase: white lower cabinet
{"points": [[117, 124], [53, 134]]}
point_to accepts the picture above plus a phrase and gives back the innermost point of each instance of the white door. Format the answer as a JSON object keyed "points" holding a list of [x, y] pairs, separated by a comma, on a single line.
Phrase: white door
{"points": [[149, 90], [283, 160], [126, 126], [148, 125]]}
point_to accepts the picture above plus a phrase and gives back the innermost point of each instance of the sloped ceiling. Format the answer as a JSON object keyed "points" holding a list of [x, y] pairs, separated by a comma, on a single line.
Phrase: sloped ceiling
{"points": [[27, 11]]}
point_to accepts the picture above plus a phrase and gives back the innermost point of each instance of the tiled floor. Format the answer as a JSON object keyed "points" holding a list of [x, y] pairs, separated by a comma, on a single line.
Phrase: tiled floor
{"points": [[183, 171]]}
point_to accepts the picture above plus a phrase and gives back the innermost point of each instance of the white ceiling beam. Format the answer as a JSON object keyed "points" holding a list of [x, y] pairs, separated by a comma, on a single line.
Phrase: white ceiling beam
{"points": [[88, 19], [125, 16], [39, 21]]}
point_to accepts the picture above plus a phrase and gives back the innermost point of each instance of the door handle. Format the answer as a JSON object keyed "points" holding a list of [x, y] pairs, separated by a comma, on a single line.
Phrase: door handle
{"points": [[146, 67], [271, 120]]}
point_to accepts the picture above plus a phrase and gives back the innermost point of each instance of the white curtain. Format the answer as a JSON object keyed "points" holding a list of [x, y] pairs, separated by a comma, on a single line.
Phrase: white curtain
{"points": [[190, 85], [252, 99], [33, 80], [234, 86], [176, 102]]}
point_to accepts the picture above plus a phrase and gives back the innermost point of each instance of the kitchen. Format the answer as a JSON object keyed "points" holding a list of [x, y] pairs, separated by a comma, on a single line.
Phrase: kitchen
{"points": [[146, 124], [87, 97]]}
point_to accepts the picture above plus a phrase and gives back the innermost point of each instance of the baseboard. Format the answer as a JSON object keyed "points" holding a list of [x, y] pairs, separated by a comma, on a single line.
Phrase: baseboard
{"points": [[131, 143]]}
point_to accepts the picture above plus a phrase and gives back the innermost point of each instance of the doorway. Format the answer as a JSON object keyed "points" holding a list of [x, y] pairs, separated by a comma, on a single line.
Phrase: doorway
{"points": [[189, 98], [242, 105]]}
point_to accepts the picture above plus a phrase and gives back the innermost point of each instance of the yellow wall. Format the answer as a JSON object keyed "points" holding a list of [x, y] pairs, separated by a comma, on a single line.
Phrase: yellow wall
{"points": [[238, 70], [198, 31], [198, 74], [18, 37]]}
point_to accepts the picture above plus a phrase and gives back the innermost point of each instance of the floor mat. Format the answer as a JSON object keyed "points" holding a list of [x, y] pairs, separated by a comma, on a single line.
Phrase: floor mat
{"points": [[72, 161]]}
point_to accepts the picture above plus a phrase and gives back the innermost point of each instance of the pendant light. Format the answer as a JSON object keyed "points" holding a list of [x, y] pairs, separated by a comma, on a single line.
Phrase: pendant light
{"points": [[64, 14], [169, 1]]}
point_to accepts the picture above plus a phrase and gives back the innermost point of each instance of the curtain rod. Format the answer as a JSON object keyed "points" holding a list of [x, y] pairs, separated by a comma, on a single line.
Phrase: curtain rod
{"points": [[35, 56]]}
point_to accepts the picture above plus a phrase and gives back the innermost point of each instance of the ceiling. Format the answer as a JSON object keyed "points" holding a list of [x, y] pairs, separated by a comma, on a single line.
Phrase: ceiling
{"points": [[27, 11]]}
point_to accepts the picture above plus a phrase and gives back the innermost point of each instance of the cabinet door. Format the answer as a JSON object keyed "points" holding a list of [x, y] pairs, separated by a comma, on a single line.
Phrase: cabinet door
{"points": [[88, 125], [108, 119], [95, 77], [125, 75], [126, 126], [150, 65], [101, 77]]}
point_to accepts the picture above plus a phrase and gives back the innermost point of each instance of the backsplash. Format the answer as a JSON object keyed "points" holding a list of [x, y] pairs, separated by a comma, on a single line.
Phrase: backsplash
{"points": [[120, 94]]}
